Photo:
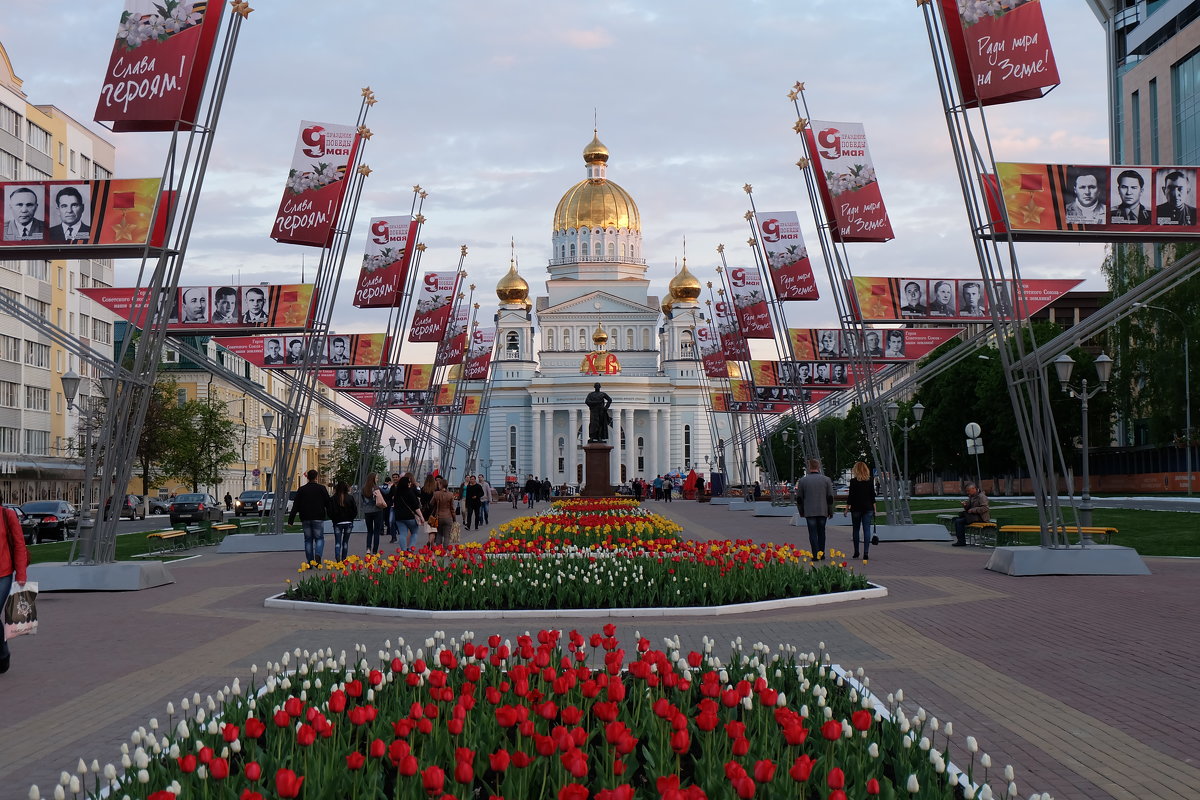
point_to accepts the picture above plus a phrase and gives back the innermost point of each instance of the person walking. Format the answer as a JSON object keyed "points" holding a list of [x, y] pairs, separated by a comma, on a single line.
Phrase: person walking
{"points": [[443, 512], [428, 488], [374, 506], [814, 499], [14, 561], [473, 502], [637, 489], [699, 487], [532, 488], [406, 509], [860, 497], [312, 500], [343, 510], [228, 501], [658, 485], [975, 509], [668, 486], [487, 498]]}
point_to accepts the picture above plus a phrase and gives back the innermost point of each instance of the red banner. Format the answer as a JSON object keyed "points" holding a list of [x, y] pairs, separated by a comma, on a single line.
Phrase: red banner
{"points": [[951, 300], [829, 374], [479, 357], [732, 341], [849, 189], [787, 255], [453, 348], [434, 304], [750, 302], [1001, 50], [407, 377], [344, 350], [711, 354], [218, 309], [155, 75], [381, 280], [316, 185], [882, 344]]}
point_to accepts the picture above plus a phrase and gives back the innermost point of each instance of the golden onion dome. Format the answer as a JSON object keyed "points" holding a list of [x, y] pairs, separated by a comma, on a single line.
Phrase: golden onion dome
{"points": [[734, 370], [455, 372], [512, 288], [685, 286], [599, 336], [667, 303], [596, 202]]}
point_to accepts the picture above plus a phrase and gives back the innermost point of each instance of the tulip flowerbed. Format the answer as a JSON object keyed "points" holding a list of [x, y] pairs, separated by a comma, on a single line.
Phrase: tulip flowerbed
{"points": [[642, 574], [585, 522], [553, 716]]}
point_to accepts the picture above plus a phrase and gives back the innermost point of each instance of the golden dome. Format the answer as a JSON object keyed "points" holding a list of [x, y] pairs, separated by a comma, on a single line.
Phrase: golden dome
{"points": [[599, 337], [667, 303], [455, 372], [596, 202], [512, 288], [685, 286], [734, 370]]}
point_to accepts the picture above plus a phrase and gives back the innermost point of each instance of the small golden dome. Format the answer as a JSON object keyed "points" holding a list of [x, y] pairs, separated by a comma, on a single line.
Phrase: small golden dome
{"points": [[596, 202], [734, 370], [599, 336], [667, 303], [595, 151], [455, 372], [685, 286], [512, 288]]}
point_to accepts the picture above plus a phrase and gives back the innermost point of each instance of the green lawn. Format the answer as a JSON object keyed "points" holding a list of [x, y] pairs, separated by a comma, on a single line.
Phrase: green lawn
{"points": [[1151, 533], [130, 546]]}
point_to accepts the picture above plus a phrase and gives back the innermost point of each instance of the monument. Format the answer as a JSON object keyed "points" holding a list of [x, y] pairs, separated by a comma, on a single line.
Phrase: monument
{"points": [[597, 451]]}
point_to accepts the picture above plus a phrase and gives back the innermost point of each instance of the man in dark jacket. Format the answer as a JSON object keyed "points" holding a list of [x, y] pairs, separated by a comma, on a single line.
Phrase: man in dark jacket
{"points": [[473, 500], [311, 503], [532, 488]]}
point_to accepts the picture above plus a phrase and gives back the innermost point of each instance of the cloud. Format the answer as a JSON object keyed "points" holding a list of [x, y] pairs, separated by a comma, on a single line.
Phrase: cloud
{"points": [[587, 40]]}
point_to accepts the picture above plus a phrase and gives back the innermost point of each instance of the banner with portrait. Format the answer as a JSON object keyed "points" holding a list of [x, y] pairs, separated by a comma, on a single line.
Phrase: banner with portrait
{"points": [[155, 75], [823, 374], [1074, 202], [390, 242], [401, 399], [217, 309], [337, 349], [113, 218], [750, 301], [951, 299], [397, 377], [881, 344], [1001, 50], [848, 187], [453, 348], [316, 184], [733, 343], [787, 256], [711, 354], [479, 355], [434, 303]]}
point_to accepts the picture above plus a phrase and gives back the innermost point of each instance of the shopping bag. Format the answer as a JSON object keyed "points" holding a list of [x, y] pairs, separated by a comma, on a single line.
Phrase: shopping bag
{"points": [[20, 610]]}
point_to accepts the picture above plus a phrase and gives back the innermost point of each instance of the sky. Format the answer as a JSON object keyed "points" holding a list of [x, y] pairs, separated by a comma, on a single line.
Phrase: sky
{"points": [[488, 107]]}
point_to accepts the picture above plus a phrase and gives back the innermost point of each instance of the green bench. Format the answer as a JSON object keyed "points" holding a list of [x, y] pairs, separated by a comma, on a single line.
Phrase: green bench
{"points": [[1099, 533], [173, 539]]}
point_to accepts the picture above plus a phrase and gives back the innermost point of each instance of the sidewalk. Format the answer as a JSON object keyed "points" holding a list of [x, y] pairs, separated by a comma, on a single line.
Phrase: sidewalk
{"points": [[1084, 684]]}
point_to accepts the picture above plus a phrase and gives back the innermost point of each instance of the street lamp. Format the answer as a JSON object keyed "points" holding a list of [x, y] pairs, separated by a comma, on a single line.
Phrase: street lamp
{"points": [[1187, 389], [1063, 366], [268, 420], [893, 412], [791, 439], [398, 451]]}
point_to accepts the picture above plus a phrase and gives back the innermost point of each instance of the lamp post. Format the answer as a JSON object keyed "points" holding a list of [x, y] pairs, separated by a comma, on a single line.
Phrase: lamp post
{"points": [[893, 412], [1187, 389], [1063, 366], [398, 451], [791, 439], [268, 421]]}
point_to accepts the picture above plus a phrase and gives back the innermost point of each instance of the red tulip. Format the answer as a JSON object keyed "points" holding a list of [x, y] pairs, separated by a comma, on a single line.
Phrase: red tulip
{"points": [[305, 735], [499, 760], [375, 677], [666, 783], [230, 732], [407, 766], [861, 720], [358, 715], [837, 794], [802, 768], [355, 688], [735, 730], [219, 769], [294, 706], [288, 783], [694, 659], [245, 795], [252, 771], [377, 749], [764, 771], [464, 772], [337, 701], [872, 786], [206, 755], [255, 728], [573, 791], [707, 720], [282, 719], [455, 726], [521, 759], [744, 786], [741, 746], [355, 760], [187, 763], [836, 778], [680, 741], [433, 779], [832, 730]]}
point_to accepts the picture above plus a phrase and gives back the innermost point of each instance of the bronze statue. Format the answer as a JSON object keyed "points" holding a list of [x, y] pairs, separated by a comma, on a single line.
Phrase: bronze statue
{"points": [[600, 420]]}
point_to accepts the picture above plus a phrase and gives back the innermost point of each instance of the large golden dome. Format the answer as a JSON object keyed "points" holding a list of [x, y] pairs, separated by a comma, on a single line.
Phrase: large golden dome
{"points": [[596, 202], [685, 286], [512, 288]]}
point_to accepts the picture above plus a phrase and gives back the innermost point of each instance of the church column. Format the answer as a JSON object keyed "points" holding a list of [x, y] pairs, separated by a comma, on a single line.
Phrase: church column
{"points": [[652, 449], [551, 448], [535, 439], [667, 440]]}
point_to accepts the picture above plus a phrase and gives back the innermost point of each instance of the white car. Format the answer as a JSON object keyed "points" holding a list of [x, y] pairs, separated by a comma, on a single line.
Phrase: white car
{"points": [[268, 503]]}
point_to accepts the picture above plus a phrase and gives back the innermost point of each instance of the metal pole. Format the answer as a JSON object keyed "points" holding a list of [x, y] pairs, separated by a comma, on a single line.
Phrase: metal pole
{"points": [[905, 492], [1187, 406], [1085, 504]]}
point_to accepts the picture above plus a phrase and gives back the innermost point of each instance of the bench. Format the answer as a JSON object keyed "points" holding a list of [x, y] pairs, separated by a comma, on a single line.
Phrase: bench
{"points": [[217, 532], [1099, 533], [978, 534], [174, 539]]}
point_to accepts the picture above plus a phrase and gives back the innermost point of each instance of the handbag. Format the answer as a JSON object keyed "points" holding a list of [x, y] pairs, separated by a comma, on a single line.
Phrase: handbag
{"points": [[379, 501], [20, 610]]}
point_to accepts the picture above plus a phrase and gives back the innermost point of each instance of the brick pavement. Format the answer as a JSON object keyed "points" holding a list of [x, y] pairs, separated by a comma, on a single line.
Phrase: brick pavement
{"points": [[1083, 683]]}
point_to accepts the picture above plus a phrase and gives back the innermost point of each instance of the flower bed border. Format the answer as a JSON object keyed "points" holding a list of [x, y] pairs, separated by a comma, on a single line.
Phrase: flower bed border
{"points": [[876, 590]]}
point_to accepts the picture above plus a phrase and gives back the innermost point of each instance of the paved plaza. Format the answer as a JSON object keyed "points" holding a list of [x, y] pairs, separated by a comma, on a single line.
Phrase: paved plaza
{"points": [[1085, 684]]}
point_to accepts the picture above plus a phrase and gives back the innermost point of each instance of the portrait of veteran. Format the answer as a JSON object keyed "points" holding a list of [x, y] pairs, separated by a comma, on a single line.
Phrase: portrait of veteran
{"points": [[942, 303], [23, 220], [72, 212], [1176, 191], [225, 306], [254, 305], [274, 352], [1129, 208], [972, 304], [914, 300], [339, 350], [193, 305], [1090, 190]]}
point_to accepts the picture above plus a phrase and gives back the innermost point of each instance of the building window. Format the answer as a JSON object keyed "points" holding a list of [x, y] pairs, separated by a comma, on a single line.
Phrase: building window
{"points": [[572, 249], [612, 250], [1152, 101], [512, 345], [512, 448], [687, 446], [645, 338], [32, 173], [10, 348], [37, 355], [36, 268], [10, 121], [39, 139], [550, 339], [641, 462], [101, 331], [181, 397], [8, 166], [39, 307], [8, 394], [1185, 98], [102, 174], [1135, 126], [562, 449], [622, 249], [37, 398], [687, 348], [629, 339], [583, 250], [8, 440], [37, 443], [85, 166], [170, 356]]}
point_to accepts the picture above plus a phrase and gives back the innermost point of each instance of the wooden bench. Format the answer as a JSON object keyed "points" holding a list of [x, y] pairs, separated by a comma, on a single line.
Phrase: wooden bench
{"points": [[174, 539], [218, 531], [1099, 533]]}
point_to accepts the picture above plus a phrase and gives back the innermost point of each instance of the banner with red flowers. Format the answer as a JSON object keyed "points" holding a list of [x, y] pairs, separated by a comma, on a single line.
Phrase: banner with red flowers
{"points": [[390, 242], [711, 354], [848, 186], [750, 302], [434, 304], [218, 309], [1001, 50], [316, 184], [950, 299], [337, 350], [155, 75], [732, 342], [787, 256], [453, 348], [479, 356], [880, 344], [719, 401]]}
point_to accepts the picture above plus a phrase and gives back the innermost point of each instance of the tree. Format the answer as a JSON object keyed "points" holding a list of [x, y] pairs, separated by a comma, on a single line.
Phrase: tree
{"points": [[202, 443], [346, 454], [158, 431]]}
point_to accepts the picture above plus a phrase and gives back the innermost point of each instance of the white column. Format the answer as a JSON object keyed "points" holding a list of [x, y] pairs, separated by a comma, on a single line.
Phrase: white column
{"points": [[535, 440], [551, 447], [652, 447]]}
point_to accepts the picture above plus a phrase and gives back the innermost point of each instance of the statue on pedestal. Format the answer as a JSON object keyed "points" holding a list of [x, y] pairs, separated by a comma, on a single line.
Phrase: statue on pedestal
{"points": [[600, 419]]}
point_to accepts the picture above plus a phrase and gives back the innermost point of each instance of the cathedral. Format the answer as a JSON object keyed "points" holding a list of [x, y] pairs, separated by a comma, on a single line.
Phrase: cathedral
{"points": [[597, 322]]}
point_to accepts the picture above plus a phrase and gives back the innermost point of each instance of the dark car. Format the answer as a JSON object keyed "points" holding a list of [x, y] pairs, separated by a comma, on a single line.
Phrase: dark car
{"points": [[155, 505], [249, 502], [28, 523], [56, 519], [195, 508]]}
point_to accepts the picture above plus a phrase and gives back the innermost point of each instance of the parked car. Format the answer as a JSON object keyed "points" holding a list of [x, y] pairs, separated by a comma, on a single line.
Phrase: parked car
{"points": [[56, 519], [28, 524], [133, 507], [268, 502], [155, 506], [195, 508], [249, 502]]}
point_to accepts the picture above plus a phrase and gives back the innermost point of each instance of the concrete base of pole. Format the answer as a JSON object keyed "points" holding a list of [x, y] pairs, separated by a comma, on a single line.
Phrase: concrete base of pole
{"points": [[1099, 559], [739, 504], [927, 532], [768, 510], [123, 576], [264, 543], [721, 501]]}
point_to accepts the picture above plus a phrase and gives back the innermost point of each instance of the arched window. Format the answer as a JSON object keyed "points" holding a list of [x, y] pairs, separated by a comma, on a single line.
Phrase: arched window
{"points": [[612, 249], [641, 462], [687, 446], [629, 339], [562, 450], [582, 339], [687, 347], [622, 249], [572, 249], [549, 338], [583, 250], [512, 345], [562, 252], [512, 447], [645, 338], [622, 437]]}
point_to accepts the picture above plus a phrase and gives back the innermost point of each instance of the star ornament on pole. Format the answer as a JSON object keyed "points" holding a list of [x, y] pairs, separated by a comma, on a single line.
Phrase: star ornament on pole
{"points": [[364, 132], [802, 163], [800, 125], [241, 8], [747, 188], [364, 170]]}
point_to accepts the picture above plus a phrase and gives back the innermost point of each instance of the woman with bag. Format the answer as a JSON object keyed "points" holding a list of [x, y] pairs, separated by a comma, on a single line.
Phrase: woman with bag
{"points": [[427, 492], [443, 510], [342, 513], [14, 560], [407, 509], [861, 500], [374, 506]]}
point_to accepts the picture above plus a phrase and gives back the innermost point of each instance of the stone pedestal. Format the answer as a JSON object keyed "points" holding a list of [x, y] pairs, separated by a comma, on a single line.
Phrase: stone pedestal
{"points": [[596, 470]]}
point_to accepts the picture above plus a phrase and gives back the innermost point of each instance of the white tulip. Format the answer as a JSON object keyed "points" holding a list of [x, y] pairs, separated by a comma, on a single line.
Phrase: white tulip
{"points": [[73, 786], [141, 759], [1009, 774], [949, 729], [972, 745], [125, 762], [913, 786], [34, 793], [60, 793], [873, 750], [1012, 789], [899, 695], [110, 772], [986, 761], [985, 793], [143, 776], [969, 792]]}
